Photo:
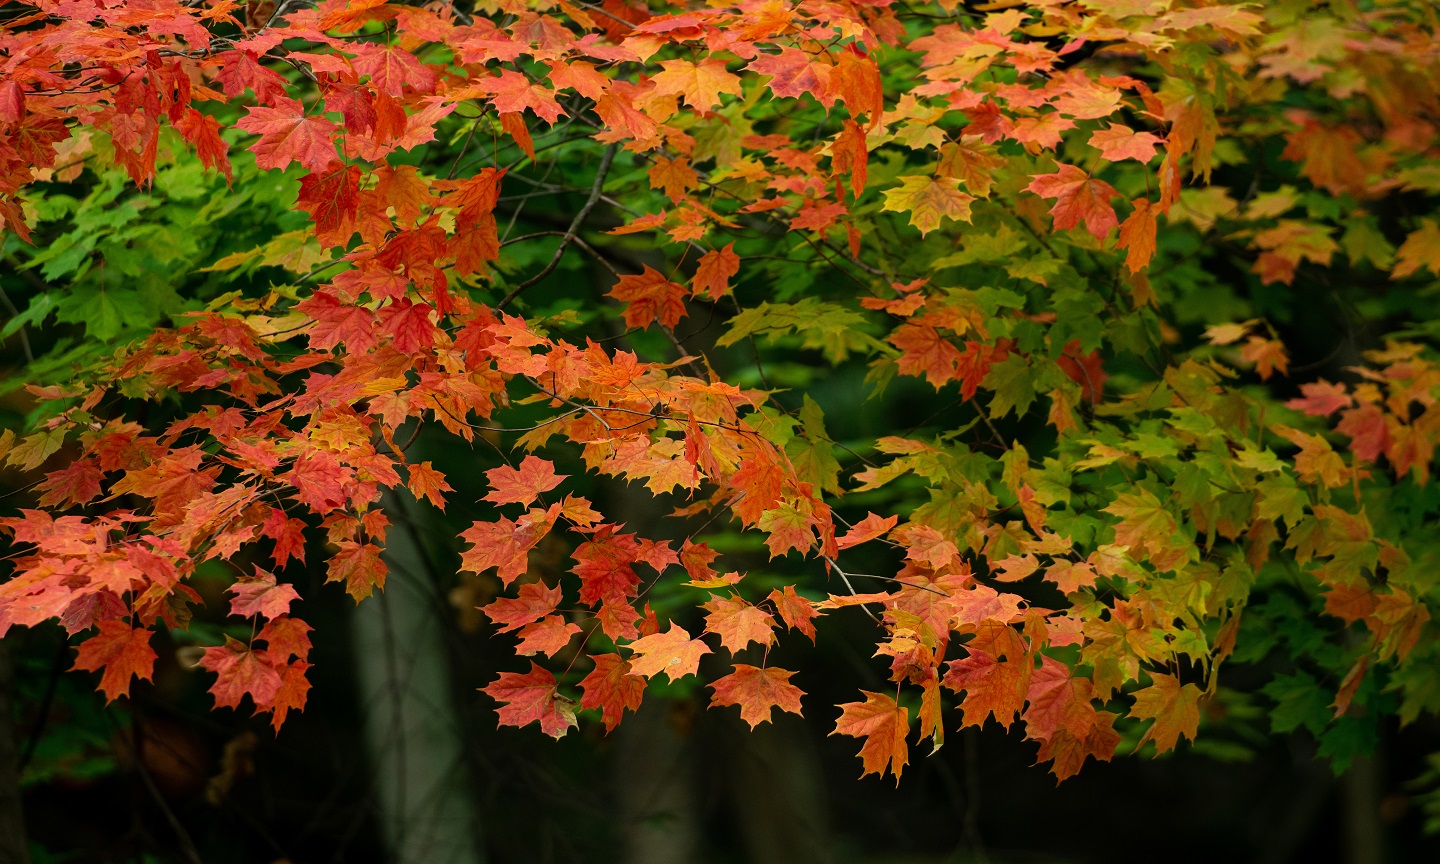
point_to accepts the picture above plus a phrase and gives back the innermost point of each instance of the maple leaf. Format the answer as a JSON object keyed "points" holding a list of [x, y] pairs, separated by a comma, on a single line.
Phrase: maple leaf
{"points": [[506, 545], [788, 528], [1321, 398], [884, 724], [532, 698], [535, 601], [672, 652], [1058, 701], [794, 73], [757, 692], [121, 651], [698, 84], [1172, 706], [738, 623], [1118, 142], [288, 135], [651, 297], [547, 636], [992, 687], [293, 693], [261, 596], [1079, 197], [240, 672], [286, 637], [1420, 249], [522, 485], [288, 534], [797, 612], [928, 199], [332, 200], [1137, 235], [409, 325], [712, 274], [338, 322], [612, 688], [867, 529], [426, 482], [675, 176], [359, 566]]}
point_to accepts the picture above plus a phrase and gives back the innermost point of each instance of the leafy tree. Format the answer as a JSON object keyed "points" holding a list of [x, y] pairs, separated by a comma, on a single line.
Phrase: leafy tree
{"points": [[843, 286]]}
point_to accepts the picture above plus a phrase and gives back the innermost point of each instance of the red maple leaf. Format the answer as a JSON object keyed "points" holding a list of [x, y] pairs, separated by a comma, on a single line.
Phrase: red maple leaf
{"points": [[612, 688], [532, 698], [288, 535], [506, 545], [338, 322], [121, 651], [285, 638], [261, 596], [535, 601], [757, 692], [288, 135], [332, 200], [409, 325], [241, 672]]}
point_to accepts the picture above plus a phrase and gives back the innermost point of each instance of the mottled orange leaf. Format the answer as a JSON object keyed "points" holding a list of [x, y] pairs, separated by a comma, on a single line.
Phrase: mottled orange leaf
{"points": [[672, 652]]}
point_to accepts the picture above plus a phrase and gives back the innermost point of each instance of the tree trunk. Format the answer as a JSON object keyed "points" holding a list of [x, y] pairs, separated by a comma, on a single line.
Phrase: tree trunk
{"points": [[13, 847], [426, 805]]}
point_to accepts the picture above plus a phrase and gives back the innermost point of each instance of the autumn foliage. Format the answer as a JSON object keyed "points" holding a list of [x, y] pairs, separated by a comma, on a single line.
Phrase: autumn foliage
{"points": [[1123, 484]]}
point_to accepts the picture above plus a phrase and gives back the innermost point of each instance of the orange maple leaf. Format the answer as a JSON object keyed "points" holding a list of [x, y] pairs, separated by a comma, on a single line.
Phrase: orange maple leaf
{"points": [[738, 623], [797, 612], [651, 297], [536, 600], [712, 275], [547, 636], [1137, 235], [241, 672], [884, 725], [699, 84], [1173, 707], [261, 596], [1119, 142], [757, 692], [524, 484]]}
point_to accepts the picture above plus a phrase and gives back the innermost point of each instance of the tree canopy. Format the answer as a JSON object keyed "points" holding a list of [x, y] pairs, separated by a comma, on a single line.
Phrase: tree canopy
{"points": [[1086, 347]]}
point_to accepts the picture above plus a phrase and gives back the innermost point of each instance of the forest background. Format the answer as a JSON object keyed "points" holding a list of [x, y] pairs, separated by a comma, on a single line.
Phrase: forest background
{"points": [[1000, 388]]}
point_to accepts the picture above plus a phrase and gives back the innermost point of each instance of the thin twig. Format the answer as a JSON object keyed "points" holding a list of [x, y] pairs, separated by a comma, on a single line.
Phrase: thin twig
{"points": [[571, 232]]}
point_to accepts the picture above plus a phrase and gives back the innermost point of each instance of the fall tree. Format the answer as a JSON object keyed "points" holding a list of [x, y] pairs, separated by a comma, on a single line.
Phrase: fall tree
{"points": [[1082, 351]]}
